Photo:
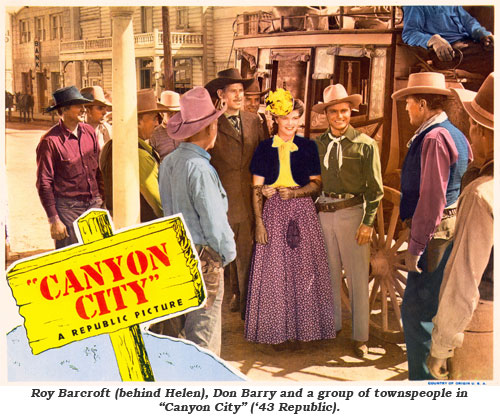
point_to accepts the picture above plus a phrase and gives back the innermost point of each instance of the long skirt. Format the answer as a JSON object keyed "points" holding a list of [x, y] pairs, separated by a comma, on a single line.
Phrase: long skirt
{"points": [[289, 293]]}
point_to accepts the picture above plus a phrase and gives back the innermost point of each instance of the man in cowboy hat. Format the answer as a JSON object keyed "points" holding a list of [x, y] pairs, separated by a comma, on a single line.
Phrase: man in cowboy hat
{"points": [[253, 94], [68, 178], [239, 133], [191, 186], [96, 113], [160, 140], [437, 158], [352, 190], [467, 287], [148, 109]]}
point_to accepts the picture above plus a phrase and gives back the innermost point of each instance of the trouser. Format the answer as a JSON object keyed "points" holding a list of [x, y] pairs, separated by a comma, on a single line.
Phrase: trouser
{"points": [[420, 304], [201, 326], [339, 229], [240, 267], [68, 210]]}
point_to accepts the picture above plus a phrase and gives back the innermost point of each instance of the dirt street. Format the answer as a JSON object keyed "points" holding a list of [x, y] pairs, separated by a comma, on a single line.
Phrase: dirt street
{"points": [[331, 360]]}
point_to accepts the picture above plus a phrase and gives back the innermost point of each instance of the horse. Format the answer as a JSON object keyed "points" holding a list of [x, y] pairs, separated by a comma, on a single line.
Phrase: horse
{"points": [[24, 104], [9, 103]]}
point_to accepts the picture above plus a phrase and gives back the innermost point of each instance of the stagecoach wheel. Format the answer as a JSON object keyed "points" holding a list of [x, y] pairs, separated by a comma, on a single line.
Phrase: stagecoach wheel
{"points": [[388, 271]]}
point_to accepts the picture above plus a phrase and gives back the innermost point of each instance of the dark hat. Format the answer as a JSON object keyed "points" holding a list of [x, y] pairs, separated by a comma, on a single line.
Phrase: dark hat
{"points": [[66, 96], [254, 89], [227, 77]]}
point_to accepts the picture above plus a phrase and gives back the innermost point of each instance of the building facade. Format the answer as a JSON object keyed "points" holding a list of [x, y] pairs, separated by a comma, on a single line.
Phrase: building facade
{"points": [[58, 46]]}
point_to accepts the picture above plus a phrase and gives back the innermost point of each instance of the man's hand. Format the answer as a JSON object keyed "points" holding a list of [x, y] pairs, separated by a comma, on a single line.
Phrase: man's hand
{"points": [[58, 230], [364, 234], [260, 232], [437, 367], [442, 48], [487, 42], [286, 193], [411, 262], [268, 191]]}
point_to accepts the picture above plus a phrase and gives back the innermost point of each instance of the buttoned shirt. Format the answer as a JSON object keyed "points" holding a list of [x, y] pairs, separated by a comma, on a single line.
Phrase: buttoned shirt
{"points": [[472, 245], [104, 133], [360, 172], [67, 166], [453, 23], [162, 142], [191, 186]]}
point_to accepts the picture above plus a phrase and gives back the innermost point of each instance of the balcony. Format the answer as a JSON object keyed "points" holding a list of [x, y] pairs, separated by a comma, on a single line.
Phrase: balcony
{"points": [[145, 44]]}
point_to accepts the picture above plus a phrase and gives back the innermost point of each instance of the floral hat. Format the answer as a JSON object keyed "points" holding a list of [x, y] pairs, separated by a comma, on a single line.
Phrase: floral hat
{"points": [[280, 102]]}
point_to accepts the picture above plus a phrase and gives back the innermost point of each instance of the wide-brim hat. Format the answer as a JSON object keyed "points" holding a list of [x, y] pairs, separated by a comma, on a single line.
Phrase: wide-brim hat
{"points": [[254, 89], [69, 95], [424, 83], [147, 102], [225, 78], [96, 95], [197, 112], [171, 100], [479, 105], [336, 94]]}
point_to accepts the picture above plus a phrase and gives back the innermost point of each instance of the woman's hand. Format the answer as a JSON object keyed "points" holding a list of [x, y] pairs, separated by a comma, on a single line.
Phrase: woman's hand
{"points": [[268, 191], [286, 193], [260, 232]]}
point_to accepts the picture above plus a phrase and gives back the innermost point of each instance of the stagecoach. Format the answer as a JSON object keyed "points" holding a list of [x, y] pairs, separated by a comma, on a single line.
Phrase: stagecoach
{"points": [[304, 50]]}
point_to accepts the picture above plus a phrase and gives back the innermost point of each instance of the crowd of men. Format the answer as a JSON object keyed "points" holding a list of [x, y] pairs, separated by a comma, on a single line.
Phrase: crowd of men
{"points": [[194, 156]]}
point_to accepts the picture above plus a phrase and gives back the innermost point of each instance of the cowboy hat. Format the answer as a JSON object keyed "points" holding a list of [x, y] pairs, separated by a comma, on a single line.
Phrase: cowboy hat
{"points": [[254, 89], [227, 77], [69, 95], [96, 95], [479, 105], [171, 100], [197, 112], [336, 94], [424, 83], [147, 102]]}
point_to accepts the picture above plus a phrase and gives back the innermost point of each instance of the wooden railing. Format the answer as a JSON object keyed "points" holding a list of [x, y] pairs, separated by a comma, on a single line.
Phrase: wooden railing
{"points": [[150, 40]]}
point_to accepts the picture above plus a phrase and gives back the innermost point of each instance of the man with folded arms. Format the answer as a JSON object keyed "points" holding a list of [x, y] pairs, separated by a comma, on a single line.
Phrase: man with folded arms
{"points": [[352, 190]]}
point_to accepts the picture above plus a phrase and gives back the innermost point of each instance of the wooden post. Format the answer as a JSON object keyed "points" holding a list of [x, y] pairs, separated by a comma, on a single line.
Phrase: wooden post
{"points": [[128, 344], [168, 73]]}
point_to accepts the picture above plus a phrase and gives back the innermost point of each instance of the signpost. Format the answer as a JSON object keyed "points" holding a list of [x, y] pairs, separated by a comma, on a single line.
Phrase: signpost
{"points": [[108, 285]]}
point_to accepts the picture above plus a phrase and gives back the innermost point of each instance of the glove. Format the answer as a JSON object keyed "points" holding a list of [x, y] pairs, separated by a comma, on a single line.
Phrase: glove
{"points": [[308, 190], [268, 191], [438, 368], [411, 262], [260, 232], [487, 42], [441, 47]]}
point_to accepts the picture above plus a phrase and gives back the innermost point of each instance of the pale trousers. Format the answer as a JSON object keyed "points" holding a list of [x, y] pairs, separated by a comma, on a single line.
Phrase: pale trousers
{"points": [[339, 229]]}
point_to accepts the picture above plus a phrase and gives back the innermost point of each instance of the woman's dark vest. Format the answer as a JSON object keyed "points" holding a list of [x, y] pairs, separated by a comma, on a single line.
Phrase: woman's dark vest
{"points": [[410, 174]]}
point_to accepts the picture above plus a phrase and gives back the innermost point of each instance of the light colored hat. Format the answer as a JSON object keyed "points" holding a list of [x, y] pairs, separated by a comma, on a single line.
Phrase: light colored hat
{"points": [[197, 112], [336, 94], [479, 105], [254, 89], [424, 83], [171, 100], [96, 95], [146, 102]]}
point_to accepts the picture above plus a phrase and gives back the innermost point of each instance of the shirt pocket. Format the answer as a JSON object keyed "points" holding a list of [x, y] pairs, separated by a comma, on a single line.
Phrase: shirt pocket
{"points": [[71, 168], [352, 165]]}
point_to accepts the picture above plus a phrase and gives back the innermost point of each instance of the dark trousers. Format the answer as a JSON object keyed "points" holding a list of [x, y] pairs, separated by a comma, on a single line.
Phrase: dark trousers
{"points": [[420, 304], [68, 210]]}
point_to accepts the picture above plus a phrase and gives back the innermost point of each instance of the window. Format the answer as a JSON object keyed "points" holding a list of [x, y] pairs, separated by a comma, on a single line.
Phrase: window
{"points": [[145, 78], [147, 19], [183, 72], [24, 30], [182, 17], [56, 30], [39, 28]]}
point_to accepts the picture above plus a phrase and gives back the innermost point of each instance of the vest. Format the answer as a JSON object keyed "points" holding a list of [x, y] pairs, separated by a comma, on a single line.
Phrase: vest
{"points": [[410, 174]]}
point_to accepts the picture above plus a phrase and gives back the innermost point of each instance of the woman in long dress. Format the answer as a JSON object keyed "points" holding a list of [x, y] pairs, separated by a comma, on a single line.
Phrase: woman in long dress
{"points": [[289, 293]]}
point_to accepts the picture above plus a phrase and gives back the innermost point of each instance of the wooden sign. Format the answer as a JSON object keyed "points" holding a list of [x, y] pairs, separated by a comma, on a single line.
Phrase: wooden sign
{"points": [[109, 283], [38, 64]]}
